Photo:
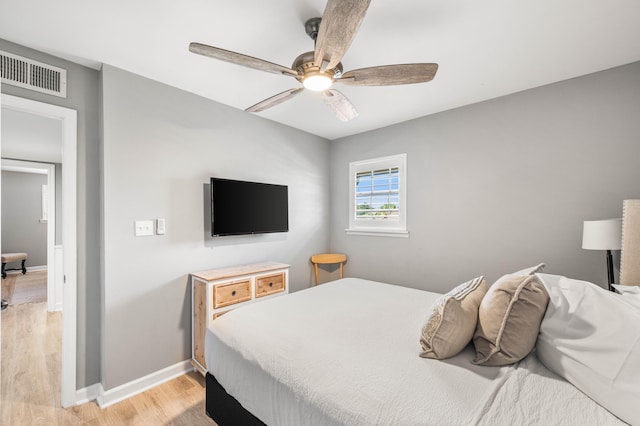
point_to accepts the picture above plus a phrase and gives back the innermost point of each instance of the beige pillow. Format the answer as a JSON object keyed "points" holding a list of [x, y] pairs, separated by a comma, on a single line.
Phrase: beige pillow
{"points": [[451, 325], [509, 319]]}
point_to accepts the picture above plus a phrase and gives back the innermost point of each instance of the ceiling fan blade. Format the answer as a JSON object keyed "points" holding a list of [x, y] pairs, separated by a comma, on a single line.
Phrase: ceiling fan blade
{"points": [[274, 100], [340, 22], [390, 75], [240, 59], [338, 102]]}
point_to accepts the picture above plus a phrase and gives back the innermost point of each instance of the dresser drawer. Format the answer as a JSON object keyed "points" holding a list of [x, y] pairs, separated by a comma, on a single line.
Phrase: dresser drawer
{"points": [[270, 284], [228, 294]]}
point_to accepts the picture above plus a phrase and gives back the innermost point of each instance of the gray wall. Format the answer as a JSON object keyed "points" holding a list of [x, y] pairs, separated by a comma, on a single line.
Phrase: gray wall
{"points": [[82, 95], [22, 230], [501, 185], [160, 147]]}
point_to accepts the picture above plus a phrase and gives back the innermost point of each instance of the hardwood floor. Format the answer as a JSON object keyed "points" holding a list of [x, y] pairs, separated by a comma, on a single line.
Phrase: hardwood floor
{"points": [[179, 402], [30, 376], [19, 289]]}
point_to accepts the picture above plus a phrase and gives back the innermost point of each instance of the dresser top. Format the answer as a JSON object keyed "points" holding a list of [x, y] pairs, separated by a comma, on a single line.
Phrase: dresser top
{"points": [[235, 271]]}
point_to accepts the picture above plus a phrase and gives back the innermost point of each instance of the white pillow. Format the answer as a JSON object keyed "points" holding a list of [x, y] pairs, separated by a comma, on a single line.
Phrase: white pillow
{"points": [[591, 337], [627, 289], [629, 293]]}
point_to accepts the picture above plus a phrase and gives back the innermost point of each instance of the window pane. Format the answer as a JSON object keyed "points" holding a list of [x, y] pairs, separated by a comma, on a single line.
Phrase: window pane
{"points": [[377, 194]]}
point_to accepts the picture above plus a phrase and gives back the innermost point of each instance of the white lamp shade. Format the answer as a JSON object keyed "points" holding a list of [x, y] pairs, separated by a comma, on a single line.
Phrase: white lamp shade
{"points": [[602, 234]]}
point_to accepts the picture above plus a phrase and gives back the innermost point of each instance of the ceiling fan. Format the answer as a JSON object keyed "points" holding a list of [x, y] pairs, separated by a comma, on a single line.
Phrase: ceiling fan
{"points": [[318, 70]]}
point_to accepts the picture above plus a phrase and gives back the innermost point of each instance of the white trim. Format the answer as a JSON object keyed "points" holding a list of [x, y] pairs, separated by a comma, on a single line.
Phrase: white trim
{"points": [[69, 121], [127, 390], [45, 200], [87, 394], [24, 167], [378, 232], [29, 269], [58, 261], [37, 268]]}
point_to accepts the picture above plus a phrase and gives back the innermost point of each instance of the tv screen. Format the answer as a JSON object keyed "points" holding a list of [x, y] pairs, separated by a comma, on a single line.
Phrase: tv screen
{"points": [[239, 207]]}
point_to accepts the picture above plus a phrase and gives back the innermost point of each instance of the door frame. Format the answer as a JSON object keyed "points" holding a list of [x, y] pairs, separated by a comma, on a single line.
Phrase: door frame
{"points": [[69, 120]]}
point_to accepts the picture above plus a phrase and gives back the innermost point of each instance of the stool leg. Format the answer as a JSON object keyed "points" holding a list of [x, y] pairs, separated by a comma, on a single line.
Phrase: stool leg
{"points": [[4, 272], [24, 268]]}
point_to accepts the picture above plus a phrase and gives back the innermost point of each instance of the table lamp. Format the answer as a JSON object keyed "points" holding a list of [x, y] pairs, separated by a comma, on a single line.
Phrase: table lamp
{"points": [[603, 235]]}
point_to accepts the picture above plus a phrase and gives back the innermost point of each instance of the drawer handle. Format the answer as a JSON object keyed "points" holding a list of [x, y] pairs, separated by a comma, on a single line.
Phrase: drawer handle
{"points": [[270, 284], [233, 293]]}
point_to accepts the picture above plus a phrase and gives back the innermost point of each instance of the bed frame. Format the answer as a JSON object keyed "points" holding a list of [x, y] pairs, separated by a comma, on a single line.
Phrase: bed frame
{"points": [[224, 409]]}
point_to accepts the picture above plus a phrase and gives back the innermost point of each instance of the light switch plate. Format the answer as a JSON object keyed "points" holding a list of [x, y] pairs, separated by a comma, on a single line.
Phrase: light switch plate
{"points": [[160, 227], [143, 228]]}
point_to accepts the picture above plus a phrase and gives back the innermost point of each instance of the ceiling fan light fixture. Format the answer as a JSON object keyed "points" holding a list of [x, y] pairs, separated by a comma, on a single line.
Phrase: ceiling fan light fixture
{"points": [[316, 70], [317, 82]]}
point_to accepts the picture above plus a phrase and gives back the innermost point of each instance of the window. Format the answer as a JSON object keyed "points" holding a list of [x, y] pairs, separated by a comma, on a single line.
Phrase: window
{"points": [[377, 196]]}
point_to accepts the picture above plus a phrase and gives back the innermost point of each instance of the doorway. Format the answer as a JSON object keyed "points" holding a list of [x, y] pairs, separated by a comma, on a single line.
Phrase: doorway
{"points": [[47, 218], [68, 125]]}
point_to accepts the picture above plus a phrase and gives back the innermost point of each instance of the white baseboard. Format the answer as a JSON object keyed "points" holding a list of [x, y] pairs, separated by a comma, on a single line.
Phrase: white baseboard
{"points": [[88, 394], [29, 269], [122, 392], [36, 268]]}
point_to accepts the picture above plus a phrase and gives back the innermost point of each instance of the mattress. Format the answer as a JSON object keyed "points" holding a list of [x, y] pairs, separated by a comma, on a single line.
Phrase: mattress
{"points": [[346, 353]]}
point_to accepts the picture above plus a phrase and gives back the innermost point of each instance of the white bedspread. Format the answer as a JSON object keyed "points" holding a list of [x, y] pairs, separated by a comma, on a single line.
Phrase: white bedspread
{"points": [[346, 353]]}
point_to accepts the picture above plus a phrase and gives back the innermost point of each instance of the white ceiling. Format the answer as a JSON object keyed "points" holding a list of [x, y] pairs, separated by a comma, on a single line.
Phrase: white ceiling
{"points": [[485, 49]]}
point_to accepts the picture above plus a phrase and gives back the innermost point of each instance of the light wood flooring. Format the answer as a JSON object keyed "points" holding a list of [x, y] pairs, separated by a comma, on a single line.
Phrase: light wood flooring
{"points": [[30, 381], [29, 288]]}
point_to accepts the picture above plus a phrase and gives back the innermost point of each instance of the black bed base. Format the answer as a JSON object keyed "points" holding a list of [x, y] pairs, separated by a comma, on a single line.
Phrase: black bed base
{"points": [[224, 409]]}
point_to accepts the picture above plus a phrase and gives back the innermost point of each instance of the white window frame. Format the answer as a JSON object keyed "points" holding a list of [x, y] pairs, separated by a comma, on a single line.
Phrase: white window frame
{"points": [[387, 227], [45, 204]]}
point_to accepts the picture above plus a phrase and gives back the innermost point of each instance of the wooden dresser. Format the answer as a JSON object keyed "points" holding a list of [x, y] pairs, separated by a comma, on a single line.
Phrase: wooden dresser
{"points": [[217, 291]]}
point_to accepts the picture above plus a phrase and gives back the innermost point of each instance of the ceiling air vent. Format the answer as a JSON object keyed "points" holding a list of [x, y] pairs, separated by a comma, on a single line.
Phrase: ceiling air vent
{"points": [[29, 74]]}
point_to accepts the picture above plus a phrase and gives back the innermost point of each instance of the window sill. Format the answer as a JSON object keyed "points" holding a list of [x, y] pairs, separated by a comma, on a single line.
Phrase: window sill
{"points": [[396, 233]]}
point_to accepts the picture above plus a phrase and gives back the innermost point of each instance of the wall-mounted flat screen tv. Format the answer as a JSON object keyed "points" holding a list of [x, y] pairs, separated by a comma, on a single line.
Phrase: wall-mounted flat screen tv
{"points": [[240, 207]]}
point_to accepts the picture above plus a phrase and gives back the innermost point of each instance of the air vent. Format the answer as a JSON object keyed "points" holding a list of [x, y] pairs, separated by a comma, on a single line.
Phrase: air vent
{"points": [[26, 73]]}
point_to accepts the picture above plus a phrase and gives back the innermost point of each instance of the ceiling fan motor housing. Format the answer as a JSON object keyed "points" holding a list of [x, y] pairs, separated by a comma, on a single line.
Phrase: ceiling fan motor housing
{"points": [[305, 66]]}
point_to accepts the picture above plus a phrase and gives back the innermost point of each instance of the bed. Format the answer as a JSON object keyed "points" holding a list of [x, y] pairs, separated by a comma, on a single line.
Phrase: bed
{"points": [[346, 353]]}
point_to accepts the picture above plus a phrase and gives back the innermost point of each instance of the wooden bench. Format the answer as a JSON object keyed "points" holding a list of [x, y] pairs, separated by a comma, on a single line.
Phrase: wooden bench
{"points": [[13, 257]]}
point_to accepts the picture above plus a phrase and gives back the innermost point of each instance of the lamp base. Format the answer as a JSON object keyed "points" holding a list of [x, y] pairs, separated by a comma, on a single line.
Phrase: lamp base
{"points": [[610, 269]]}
